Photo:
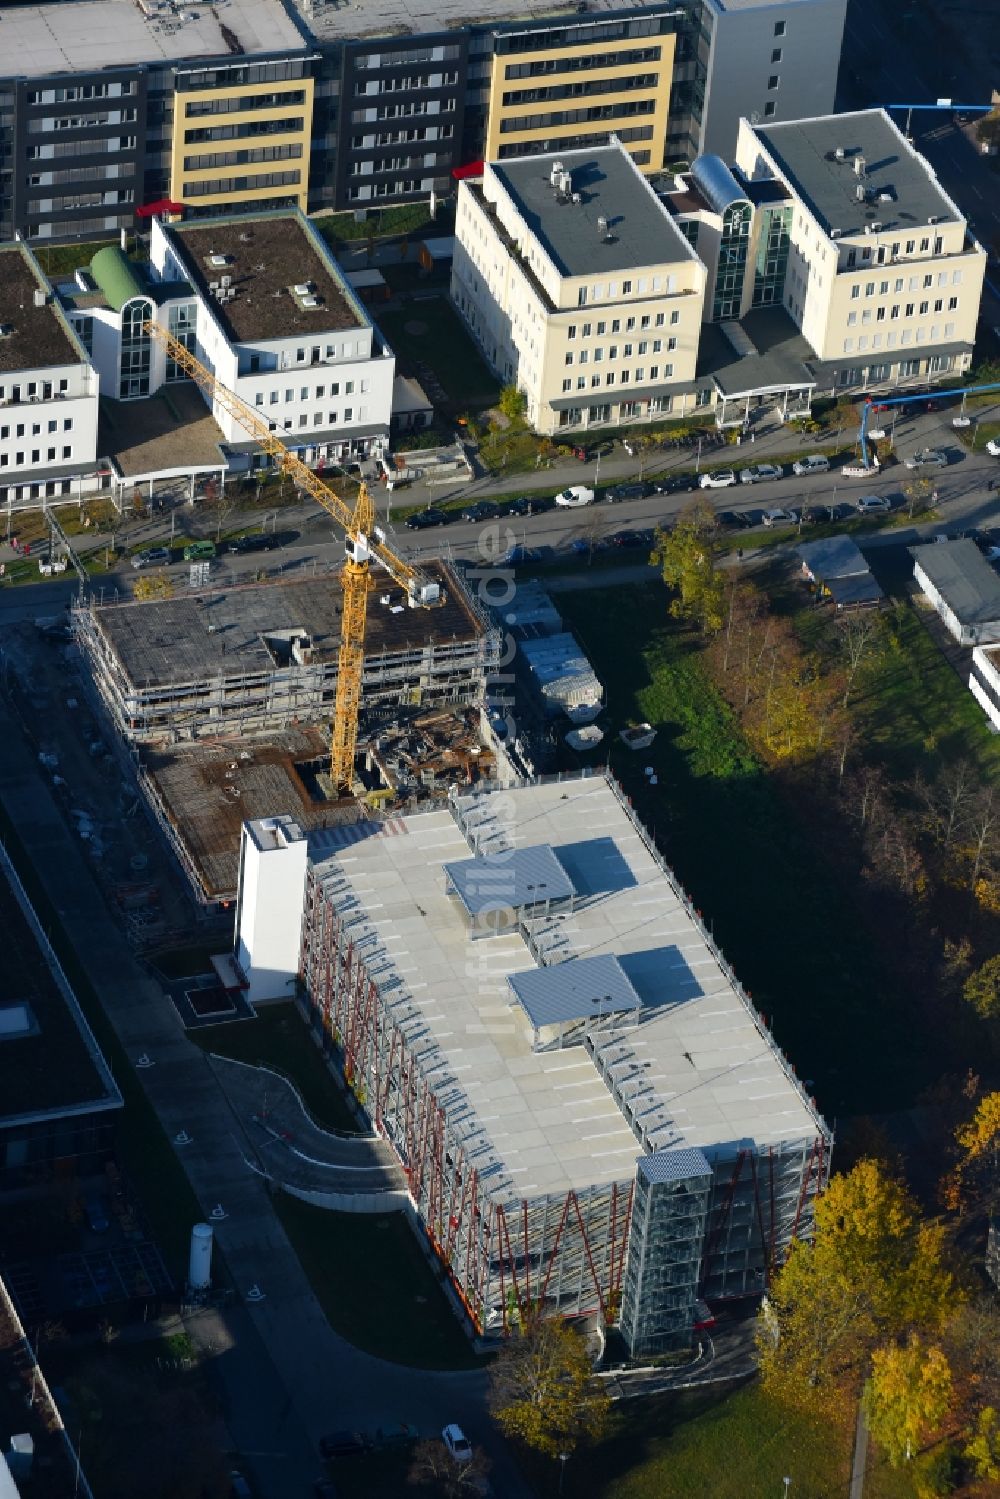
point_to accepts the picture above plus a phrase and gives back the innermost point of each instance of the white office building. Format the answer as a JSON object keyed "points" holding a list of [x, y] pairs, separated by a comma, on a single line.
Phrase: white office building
{"points": [[579, 288], [48, 391]]}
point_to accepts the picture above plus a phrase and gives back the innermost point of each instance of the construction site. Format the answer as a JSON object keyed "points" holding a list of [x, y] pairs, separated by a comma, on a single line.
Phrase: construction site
{"points": [[590, 1113], [225, 697]]}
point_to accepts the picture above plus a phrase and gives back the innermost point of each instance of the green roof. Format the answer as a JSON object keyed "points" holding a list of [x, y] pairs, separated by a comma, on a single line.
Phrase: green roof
{"points": [[116, 276]]}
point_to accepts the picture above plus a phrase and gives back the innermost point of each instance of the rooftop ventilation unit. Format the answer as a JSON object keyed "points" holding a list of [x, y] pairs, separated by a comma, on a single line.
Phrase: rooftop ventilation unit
{"points": [[302, 288], [859, 166], [602, 226], [555, 176], [887, 196], [216, 260], [40, 297], [311, 301], [933, 218], [577, 197], [859, 192], [876, 227], [836, 233], [225, 281], [840, 153]]}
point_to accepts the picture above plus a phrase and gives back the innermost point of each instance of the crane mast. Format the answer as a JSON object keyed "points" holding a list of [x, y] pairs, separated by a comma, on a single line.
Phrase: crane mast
{"points": [[366, 542]]}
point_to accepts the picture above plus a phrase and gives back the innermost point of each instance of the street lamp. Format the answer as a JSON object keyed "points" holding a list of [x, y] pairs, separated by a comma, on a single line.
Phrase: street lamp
{"points": [[788, 1483], [563, 1460]]}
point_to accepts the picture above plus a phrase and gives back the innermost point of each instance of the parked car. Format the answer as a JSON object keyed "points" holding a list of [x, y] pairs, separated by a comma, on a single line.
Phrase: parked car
{"points": [[746, 519], [815, 515], [928, 458], [524, 506], [402, 1435], [642, 538], [457, 1443], [199, 551], [993, 447], [627, 492], [575, 495], [422, 519], [481, 510], [728, 520], [761, 473], [261, 541], [872, 504], [519, 556], [152, 557], [780, 517], [344, 1444], [674, 484], [816, 463], [720, 478]]}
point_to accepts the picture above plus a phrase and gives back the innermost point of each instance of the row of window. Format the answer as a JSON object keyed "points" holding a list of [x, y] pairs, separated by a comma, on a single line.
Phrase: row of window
{"points": [[588, 86], [36, 456], [891, 251], [644, 346], [76, 92], [365, 60], [545, 145], [56, 149], [20, 428], [49, 123], [82, 200], [404, 83], [241, 74], [623, 109], [642, 287], [205, 133], [647, 320], [912, 283], [904, 309], [403, 137], [274, 396], [242, 158], [632, 57], [241, 104], [32, 390], [321, 419], [623, 378], [906, 369], [218, 185], [899, 340], [390, 189]]}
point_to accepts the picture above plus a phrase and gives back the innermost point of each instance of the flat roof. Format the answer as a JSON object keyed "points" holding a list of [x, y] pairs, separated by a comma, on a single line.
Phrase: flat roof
{"points": [[248, 627], [610, 186], [266, 256], [545, 1120], [848, 592], [161, 433], [804, 152], [55, 1068], [578, 989], [395, 18], [38, 337], [963, 578], [509, 880], [87, 36]]}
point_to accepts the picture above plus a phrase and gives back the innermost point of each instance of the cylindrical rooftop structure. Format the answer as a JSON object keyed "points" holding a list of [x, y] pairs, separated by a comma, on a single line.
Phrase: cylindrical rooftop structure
{"points": [[716, 183], [200, 1259]]}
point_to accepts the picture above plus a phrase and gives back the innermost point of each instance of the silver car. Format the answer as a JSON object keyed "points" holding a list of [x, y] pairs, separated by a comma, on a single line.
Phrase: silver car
{"points": [[928, 458]]}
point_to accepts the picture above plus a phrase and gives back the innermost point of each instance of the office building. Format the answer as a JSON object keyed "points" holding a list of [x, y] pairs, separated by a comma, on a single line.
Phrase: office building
{"points": [[578, 286]]}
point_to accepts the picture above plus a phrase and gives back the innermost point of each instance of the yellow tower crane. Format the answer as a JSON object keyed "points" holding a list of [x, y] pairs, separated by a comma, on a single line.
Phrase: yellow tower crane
{"points": [[365, 541]]}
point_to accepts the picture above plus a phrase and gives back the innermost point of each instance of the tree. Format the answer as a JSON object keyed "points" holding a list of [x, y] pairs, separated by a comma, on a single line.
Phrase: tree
{"points": [[686, 558], [862, 641], [154, 586], [907, 1397], [873, 1271], [512, 404], [918, 494], [543, 1391], [977, 1173], [433, 1467], [982, 989], [983, 1447]]}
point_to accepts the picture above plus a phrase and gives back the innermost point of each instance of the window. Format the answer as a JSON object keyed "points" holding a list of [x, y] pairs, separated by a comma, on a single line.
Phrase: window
{"points": [[923, 308], [779, 28], [883, 288], [880, 314], [259, 398], [581, 297], [894, 311], [852, 319], [772, 82], [67, 452], [769, 109], [911, 245], [909, 310], [866, 316], [928, 280], [626, 288], [855, 293], [925, 245], [660, 320], [584, 356], [939, 305], [952, 303], [897, 285], [869, 288], [776, 55], [585, 331], [569, 358], [571, 331]]}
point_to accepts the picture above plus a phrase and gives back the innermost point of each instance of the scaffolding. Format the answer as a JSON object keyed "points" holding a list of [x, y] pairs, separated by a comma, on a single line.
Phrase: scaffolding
{"points": [[253, 659], [635, 1246]]}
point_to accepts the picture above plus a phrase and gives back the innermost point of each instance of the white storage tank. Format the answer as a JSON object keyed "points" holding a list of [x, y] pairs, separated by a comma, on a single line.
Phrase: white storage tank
{"points": [[200, 1258]]}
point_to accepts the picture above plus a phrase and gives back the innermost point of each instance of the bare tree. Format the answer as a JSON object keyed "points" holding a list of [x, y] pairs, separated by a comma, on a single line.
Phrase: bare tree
{"points": [[948, 800], [984, 827], [862, 639], [432, 1467]]}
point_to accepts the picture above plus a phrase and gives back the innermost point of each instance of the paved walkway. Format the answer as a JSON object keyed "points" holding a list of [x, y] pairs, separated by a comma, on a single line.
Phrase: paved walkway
{"points": [[287, 1376]]}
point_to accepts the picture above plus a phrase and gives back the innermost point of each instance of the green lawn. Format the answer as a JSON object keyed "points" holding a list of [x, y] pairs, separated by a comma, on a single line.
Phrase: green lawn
{"points": [[406, 218], [279, 1038], [721, 1445], [749, 862], [444, 346], [376, 1287]]}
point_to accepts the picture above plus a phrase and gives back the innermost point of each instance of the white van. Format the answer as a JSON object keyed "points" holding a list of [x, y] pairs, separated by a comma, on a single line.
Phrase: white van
{"points": [[814, 464]]}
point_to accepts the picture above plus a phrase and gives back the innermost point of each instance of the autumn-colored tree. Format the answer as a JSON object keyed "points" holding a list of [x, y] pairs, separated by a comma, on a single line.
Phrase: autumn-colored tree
{"points": [[983, 1447], [861, 639], [982, 989], [976, 1179], [874, 1271], [686, 558], [543, 1391], [918, 496], [907, 1397], [512, 404], [154, 586]]}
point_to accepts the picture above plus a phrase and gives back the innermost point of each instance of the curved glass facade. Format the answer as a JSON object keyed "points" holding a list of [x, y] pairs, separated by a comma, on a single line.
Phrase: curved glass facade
{"points": [[733, 247]]}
